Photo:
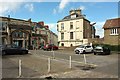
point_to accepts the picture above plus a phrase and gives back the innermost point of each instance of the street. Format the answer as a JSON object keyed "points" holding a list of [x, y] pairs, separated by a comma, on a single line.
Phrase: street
{"points": [[35, 65]]}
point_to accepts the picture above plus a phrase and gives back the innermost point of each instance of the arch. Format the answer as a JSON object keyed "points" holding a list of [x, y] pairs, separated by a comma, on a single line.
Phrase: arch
{"points": [[71, 45], [20, 31], [62, 44]]}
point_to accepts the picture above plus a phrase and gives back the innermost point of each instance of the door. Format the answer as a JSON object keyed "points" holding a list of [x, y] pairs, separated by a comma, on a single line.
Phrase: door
{"points": [[20, 43], [88, 48]]}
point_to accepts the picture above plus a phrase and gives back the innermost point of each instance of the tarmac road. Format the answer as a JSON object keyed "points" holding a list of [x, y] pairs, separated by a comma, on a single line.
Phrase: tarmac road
{"points": [[106, 64], [35, 65]]}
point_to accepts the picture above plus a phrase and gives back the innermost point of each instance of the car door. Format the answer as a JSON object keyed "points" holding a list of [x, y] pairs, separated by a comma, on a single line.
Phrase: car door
{"points": [[9, 49], [88, 48], [15, 49]]}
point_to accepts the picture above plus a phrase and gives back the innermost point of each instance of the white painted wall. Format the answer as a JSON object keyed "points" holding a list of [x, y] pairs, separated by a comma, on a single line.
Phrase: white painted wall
{"points": [[77, 32]]}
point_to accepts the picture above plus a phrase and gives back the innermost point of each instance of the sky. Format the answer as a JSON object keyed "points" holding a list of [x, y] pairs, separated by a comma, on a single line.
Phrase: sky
{"points": [[51, 12]]}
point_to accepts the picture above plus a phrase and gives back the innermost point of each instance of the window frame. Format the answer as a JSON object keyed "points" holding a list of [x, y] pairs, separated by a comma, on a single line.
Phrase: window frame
{"points": [[71, 25], [62, 36], [62, 26], [71, 35], [114, 31]]}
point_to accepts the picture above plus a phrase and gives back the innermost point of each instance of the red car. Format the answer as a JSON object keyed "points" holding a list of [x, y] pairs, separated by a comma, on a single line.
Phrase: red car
{"points": [[50, 47]]}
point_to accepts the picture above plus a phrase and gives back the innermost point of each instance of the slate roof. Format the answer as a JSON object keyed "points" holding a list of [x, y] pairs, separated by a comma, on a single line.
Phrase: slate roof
{"points": [[69, 17]]}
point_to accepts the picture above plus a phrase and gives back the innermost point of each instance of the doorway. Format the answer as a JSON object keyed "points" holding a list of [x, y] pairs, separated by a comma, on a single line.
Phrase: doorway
{"points": [[18, 43]]}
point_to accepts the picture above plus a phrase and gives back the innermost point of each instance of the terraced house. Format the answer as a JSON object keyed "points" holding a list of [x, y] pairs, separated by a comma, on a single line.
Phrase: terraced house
{"points": [[41, 35], [25, 33], [112, 31], [74, 29]]}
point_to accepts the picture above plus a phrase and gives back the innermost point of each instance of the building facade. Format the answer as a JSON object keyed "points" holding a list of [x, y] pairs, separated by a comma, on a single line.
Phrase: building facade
{"points": [[41, 35], [16, 31], [112, 31], [74, 29]]}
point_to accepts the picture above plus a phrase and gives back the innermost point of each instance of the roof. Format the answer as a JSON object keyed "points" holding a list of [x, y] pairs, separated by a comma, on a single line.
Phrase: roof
{"points": [[66, 18], [15, 19], [112, 23]]}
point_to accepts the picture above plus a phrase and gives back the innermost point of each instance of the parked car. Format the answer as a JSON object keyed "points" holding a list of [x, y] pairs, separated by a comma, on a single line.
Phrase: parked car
{"points": [[101, 50], [13, 49], [50, 47], [83, 49]]}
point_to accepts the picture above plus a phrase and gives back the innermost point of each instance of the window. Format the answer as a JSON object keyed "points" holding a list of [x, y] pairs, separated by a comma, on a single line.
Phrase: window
{"points": [[114, 31], [71, 25], [62, 26], [77, 24], [88, 46], [71, 35], [62, 36], [73, 16], [57, 28]]}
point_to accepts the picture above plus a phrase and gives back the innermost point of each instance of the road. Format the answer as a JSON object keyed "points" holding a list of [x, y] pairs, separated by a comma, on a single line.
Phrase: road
{"points": [[107, 64], [35, 65]]}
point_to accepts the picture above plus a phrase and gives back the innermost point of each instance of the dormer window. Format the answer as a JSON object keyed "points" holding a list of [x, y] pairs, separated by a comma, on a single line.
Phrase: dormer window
{"points": [[73, 16]]}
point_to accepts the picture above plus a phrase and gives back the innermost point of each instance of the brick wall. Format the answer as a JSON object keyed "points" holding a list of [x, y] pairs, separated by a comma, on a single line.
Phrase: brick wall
{"points": [[111, 39], [95, 41]]}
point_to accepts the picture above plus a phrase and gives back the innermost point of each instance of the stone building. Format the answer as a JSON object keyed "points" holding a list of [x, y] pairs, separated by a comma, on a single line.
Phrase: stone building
{"points": [[74, 29], [16, 31], [41, 35], [112, 31]]}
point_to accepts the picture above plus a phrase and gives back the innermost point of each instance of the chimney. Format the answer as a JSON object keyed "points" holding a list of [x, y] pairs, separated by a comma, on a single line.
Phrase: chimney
{"points": [[41, 23], [8, 16], [78, 11]]}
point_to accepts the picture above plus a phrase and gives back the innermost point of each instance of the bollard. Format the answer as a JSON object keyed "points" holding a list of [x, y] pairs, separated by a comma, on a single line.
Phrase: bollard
{"points": [[49, 67], [35, 50], [70, 62], [20, 64], [85, 59], [53, 55]]}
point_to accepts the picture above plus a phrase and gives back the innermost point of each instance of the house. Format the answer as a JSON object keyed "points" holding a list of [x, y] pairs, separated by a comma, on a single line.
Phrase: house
{"points": [[112, 31], [74, 29], [41, 35], [16, 31]]}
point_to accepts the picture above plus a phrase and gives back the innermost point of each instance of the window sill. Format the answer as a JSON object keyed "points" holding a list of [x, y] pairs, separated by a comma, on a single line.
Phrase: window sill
{"points": [[114, 34]]}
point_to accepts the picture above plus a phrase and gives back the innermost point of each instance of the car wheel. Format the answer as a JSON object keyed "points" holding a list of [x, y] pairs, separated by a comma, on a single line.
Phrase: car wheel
{"points": [[94, 53], [77, 51], [84, 52], [24, 52], [3, 52]]}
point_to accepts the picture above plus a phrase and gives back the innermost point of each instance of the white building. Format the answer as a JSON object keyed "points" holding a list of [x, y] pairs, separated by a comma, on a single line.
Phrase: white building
{"points": [[74, 29]]}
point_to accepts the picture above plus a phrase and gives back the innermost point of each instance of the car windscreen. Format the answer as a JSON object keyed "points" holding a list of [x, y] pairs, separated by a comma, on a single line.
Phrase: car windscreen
{"points": [[81, 46]]}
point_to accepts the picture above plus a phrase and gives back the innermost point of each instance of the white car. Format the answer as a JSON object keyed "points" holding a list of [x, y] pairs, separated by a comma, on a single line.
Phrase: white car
{"points": [[83, 49]]}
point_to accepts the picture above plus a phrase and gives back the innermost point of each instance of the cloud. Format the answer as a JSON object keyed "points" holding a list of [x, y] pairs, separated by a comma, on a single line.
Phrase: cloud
{"points": [[53, 27], [11, 7], [61, 6], [54, 11], [23, 1], [30, 7], [82, 7], [63, 3], [7, 7], [99, 29]]}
